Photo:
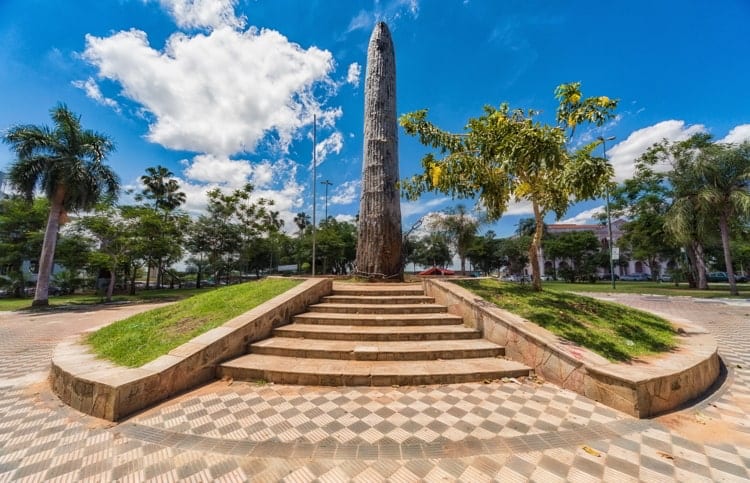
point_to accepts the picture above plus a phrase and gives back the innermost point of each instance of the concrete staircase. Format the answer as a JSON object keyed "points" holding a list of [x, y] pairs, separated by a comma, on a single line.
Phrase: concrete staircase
{"points": [[374, 335]]}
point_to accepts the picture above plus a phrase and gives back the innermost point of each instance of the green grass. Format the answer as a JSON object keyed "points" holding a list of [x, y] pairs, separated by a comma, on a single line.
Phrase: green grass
{"points": [[55, 302], [613, 331], [715, 290], [144, 337]]}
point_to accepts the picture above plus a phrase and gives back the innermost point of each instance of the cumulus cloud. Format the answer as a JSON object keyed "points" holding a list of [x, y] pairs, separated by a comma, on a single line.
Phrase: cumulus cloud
{"points": [[92, 90], [345, 193], [344, 218], [203, 13], [737, 135], [208, 168], [332, 144], [220, 93], [623, 155], [352, 75], [586, 217]]}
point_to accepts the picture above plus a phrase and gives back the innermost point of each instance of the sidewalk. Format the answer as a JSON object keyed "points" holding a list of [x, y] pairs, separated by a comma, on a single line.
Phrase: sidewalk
{"points": [[512, 430]]}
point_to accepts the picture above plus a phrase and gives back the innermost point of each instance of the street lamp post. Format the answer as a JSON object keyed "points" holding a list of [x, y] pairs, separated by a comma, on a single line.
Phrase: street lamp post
{"points": [[609, 218], [327, 184]]}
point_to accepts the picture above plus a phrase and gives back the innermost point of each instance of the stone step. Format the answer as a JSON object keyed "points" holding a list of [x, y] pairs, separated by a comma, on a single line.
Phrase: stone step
{"points": [[331, 372], [377, 333], [377, 351], [376, 319], [378, 299], [378, 308], [374, 289]]}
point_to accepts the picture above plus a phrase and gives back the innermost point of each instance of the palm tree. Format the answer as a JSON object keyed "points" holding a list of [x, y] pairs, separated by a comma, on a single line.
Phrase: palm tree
{"points": [[725, 174], [460, 227], [67, 163], [162, 189]]}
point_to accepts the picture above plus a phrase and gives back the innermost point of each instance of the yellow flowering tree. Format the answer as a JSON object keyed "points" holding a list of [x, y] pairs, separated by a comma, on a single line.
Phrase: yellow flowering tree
{"points": [[506, 154]]}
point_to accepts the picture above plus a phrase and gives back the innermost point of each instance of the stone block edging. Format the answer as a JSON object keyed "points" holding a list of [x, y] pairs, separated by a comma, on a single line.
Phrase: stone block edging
{"points": [[642, 388], [100, 388]]}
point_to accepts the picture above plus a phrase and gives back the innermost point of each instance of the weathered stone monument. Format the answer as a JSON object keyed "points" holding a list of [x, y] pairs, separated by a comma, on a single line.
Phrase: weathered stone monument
{"points": [[379, 235]]}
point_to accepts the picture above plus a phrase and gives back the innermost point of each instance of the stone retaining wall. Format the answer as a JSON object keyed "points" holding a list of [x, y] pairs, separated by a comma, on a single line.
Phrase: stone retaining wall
{"points": [[643, 388], [111, 392]]}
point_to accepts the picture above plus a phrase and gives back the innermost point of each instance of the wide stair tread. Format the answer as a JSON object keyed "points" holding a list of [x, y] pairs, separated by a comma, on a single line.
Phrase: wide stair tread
{"points": [[378, 299], [377, 332], [377, 289], [379, 308], [377, 351], [331, 372], [369, 319]]}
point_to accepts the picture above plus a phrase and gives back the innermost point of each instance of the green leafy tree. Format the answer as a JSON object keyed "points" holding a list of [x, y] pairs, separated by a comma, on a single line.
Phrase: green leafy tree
{"points": [[21, 235], [162, 193], [433, 250], [582, 249], [110, 232], [484, 253], [514, 253], [67, 163], [725, 191], [506, 154], [460, 228]]}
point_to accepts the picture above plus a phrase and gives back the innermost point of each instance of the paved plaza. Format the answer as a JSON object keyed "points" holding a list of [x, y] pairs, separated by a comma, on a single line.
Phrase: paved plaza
{"points": [[503, 430]]}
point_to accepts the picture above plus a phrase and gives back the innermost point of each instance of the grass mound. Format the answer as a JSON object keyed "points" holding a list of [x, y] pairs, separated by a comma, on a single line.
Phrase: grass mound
{"points": [[613, 331], [143, 337]]}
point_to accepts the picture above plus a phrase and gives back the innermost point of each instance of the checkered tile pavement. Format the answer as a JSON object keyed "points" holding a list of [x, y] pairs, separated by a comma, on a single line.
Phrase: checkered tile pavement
{"points": [[503, 431]]}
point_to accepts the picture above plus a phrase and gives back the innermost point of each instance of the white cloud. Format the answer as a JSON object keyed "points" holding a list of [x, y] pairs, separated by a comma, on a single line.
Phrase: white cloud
{"points": [[585, 217], [352, 75], [208, 168], [409, 208], [522, 207], [220, 93], [344, 218], [345, 193], [264, 174], [623, 155], [332, 144], [203, 13], [737, 135], [91, 88], [389, 11]]}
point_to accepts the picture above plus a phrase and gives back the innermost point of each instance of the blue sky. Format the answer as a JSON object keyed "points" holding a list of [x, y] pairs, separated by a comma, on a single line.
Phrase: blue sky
{"points": [[223, 92]]}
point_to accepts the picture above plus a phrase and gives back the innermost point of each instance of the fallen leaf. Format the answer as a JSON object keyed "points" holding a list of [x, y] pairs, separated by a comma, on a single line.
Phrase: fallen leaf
{"points": [[487, 381], [701, 418], [665, 455], [591, 451]]}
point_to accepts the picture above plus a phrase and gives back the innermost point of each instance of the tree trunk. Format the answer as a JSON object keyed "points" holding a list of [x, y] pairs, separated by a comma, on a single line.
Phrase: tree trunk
{"points": [[700, 265], [46, 258], [110, 285], [536, 241], [379, 242], [724, 229]]}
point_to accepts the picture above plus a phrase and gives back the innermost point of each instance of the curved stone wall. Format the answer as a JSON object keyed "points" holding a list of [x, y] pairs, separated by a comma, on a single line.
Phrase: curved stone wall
{"points": [[105, 390], [641, 388]]}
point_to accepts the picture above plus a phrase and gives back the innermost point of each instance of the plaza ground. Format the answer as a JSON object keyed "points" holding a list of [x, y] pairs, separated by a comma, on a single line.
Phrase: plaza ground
{"points": [[510, 430]]}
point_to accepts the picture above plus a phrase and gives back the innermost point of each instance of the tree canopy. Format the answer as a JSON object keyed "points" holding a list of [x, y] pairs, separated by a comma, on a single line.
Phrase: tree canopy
{"points": [[509, 155]]}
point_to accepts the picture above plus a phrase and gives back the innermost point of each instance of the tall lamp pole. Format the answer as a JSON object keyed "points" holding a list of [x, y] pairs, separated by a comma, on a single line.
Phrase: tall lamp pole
{"points": [[327, 184], [609, 218], [314, 156]]}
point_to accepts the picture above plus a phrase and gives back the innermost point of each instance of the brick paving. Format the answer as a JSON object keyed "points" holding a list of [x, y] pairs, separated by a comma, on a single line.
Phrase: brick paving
{"points": [[507, 430]]}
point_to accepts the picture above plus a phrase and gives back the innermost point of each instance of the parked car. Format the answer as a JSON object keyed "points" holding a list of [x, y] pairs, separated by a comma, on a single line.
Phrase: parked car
{"points": [[718, 277], [665, 278], [636, 277], [740, 278], [607, 276]]}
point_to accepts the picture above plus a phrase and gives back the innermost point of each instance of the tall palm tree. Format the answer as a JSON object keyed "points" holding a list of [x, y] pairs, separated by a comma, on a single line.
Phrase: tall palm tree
{"points": [[67, 163], [162, 188], [725, 172], [461, 228]]}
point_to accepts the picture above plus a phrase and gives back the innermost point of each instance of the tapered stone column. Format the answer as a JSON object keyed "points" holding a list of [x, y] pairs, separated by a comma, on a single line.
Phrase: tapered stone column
{"points": [[379, 234]]}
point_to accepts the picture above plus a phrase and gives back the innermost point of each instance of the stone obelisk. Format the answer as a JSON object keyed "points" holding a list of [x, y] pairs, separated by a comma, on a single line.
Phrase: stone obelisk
{"points": [[379, 234]]}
